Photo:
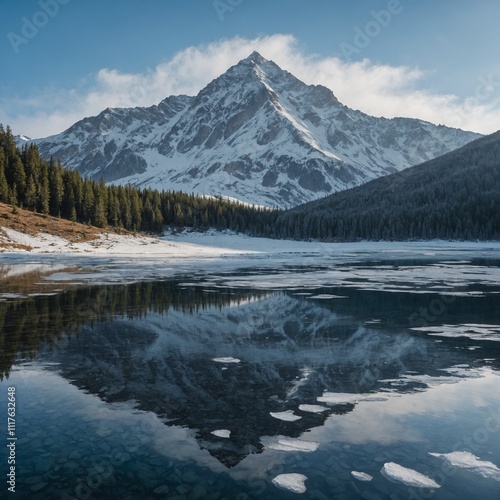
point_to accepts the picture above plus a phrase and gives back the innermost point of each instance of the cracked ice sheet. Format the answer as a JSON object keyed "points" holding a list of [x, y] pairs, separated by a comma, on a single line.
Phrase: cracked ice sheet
{"points": [[171, 254]]}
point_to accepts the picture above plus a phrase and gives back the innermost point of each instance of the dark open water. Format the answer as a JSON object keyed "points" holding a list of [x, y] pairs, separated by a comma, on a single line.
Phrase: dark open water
{"points": [[210, 386]]}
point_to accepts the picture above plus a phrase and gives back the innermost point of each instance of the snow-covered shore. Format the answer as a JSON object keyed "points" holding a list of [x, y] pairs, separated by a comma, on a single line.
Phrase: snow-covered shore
{"points": [[214, 244]]}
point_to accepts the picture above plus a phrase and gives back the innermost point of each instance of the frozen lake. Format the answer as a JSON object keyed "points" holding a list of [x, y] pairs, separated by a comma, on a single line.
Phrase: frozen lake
{"points": [[327, 374]]}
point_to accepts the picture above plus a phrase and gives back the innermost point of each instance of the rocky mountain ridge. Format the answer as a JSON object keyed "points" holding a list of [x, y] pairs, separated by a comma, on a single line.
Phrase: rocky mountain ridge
{"points": [[255, 133]]}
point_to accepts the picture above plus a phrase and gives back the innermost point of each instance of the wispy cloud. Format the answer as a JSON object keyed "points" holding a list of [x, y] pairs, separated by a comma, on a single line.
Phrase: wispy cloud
{"points": [[377, 89]]}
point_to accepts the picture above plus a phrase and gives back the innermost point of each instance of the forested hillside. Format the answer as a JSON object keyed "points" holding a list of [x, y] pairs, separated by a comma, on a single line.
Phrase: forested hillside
{"points": [[456, 196], [28, 181]]}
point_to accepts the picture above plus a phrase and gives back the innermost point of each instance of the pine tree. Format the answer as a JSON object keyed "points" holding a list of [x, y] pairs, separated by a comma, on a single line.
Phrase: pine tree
{"points": [[4, 187], [56, 188], [100, 216], [68, 205], [135, 209], [30, 201], [43, 194], [88, 202], [125, 208], [18, 178], [113, 208]]}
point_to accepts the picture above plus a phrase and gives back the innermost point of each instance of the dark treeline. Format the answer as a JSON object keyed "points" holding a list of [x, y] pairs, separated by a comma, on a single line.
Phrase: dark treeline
{"points": [[456, 196], [28, 181], [28, 323]]}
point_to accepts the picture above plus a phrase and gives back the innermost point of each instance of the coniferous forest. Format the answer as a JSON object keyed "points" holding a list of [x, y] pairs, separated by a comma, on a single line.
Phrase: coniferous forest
{"points": [[456, 196], [30, 182]]}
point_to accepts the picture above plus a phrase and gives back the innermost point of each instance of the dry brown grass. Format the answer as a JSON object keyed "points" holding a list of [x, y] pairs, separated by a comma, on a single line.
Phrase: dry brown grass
{"points": [[32, 223]]}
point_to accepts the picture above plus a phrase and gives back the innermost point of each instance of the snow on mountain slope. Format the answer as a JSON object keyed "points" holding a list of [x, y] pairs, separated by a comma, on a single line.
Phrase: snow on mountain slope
{"points": [[256, 133]]}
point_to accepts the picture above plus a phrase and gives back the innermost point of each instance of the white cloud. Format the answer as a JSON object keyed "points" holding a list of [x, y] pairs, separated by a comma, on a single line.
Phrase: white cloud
{"points": [[376, 89]]}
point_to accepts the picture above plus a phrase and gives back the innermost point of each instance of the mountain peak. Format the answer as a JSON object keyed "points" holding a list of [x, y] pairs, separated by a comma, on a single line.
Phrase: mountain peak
{"points": [[255, 57], [256, 67], [252, 69], [252, 61], [256, 133]]}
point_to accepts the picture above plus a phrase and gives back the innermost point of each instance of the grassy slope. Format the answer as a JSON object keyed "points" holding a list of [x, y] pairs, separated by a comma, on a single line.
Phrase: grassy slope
{"points": [[32, 223]]}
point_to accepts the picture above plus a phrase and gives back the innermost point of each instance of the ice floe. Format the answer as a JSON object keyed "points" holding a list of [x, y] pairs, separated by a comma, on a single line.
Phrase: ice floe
{"points": [[222, 433], [287, 416], [466, 460], [344, 398], [281, 443], [227, 359], [409, 477], [339, 398], [325, 296], [361, 476], [313, 408], [291, 482]]}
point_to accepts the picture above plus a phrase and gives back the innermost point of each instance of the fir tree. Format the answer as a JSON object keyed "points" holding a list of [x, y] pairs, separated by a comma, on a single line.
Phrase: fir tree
{"points": [[43, 192], [4, 187], [56, 187], [30, 201]]}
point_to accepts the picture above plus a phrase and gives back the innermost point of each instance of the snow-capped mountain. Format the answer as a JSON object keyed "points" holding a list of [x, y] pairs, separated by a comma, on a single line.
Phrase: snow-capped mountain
{"points": [[255, 133]]}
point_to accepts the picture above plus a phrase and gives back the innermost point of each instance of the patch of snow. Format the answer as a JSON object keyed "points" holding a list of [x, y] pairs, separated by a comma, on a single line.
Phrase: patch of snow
{"points": [[409, 477], [291, 482]]}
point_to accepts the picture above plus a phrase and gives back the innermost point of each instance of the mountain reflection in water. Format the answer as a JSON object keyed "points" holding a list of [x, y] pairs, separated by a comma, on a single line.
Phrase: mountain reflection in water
{"points": [[229, 359]]}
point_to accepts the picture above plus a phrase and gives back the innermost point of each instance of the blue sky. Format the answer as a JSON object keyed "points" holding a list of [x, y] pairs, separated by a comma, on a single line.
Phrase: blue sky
{"points": [[61, 60]]}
